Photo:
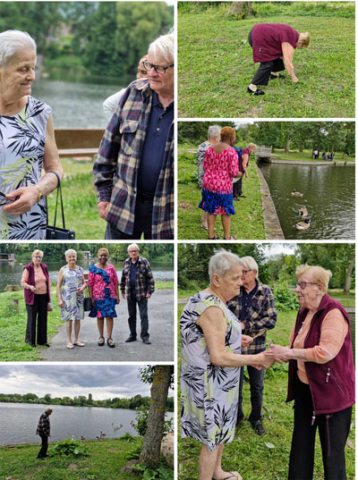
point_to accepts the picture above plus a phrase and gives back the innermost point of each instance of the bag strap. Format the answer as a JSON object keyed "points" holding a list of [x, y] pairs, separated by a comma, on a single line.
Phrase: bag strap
{"points": [[59, 195]]}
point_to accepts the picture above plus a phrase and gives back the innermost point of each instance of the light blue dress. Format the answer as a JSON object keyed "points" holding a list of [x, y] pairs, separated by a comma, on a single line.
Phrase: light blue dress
{"points": [[209, 393], [22, 146], [72, 279]]}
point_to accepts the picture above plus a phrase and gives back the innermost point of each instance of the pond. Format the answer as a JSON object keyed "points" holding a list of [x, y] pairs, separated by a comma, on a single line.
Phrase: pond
{"points": [[10, 273], [328, 194], [19, 422], [75, 104]]}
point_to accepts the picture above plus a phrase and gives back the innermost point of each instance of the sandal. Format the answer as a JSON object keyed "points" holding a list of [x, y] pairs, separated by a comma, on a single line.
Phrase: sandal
{"points": [[110, 343], [100, 341], [79, 344], [232, 476], [70, 345]]}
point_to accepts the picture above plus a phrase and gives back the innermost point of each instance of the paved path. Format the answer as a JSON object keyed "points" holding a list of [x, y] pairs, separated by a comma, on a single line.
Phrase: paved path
{"points": [[161, 323]]}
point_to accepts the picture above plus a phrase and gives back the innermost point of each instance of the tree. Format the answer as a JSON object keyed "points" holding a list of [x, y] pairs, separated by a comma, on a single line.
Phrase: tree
{"points": [[162, 378]]}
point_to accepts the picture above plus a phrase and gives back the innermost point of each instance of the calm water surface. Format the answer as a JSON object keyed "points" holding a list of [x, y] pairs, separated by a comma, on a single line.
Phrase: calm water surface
{"points": [[328, 195]]}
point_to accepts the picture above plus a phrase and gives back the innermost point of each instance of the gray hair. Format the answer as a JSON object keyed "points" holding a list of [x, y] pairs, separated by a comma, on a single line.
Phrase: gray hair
{"points": [[133, 245], [11, 41], [163, 47], [69, 251], [214, 131], [223, 261], [251, 264]]}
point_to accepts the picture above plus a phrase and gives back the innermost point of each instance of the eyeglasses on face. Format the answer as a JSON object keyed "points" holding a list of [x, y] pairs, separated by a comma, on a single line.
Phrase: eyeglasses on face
{"points": [[157, 68], [304, 284], [244, 272]]}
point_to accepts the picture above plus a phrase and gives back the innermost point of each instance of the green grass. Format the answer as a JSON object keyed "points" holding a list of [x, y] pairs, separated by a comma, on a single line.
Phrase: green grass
{"points": [[164, 285], [306, 155], [13, 326], [80, 201], [247, 223], [215, 67], [253, 456], [106, 459]]}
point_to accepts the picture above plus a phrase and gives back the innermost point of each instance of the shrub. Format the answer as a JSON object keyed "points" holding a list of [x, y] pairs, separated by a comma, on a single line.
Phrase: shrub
{"points": [[70, 447], [141, 422]]}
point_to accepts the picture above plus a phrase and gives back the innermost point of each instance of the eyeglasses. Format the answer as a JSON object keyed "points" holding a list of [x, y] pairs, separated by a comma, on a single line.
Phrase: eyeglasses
{"points": [[157, 68], [244, 272], [304, 284], [133, 251]]}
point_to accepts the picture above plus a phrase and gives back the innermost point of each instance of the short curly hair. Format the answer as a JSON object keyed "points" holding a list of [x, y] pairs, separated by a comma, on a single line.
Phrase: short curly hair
{"points": [[228, 135]]}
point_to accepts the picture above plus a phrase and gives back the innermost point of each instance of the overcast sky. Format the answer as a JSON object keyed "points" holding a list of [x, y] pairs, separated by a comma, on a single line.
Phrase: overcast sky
{"points": [[103, 381]]}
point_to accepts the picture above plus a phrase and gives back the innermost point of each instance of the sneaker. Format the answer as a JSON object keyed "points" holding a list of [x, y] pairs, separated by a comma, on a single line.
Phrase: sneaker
{"points": [[255, 92], [258, 428]]}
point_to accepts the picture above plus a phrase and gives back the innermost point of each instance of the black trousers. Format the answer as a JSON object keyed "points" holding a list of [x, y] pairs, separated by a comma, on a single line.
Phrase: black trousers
{"points": [[237, 188], [142, 222], [44, 446], [333, 432], [132, 303], [256, 378], [37, 313], [262, 75]]}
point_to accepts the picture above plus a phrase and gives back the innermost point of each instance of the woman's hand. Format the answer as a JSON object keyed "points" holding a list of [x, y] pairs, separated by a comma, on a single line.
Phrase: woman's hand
{"points": [[32, 288], [278, 353], [22, 200], [103, 209], [80, 290], [246, 340], [264, 361], [60, 303]]}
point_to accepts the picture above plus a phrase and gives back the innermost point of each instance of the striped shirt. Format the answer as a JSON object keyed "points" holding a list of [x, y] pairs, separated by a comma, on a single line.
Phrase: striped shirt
{"points": [[261, 315], [118, 160]]}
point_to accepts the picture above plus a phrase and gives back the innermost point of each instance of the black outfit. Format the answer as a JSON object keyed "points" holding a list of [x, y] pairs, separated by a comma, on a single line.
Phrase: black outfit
{"points": [[37, 311], [302, 459], [44, 446], [43, 430], [132, 303], [256, 378], [142, 222], [237, 188]]}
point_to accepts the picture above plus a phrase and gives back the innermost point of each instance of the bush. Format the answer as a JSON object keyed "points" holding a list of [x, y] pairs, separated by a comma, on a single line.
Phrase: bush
{"points": [[70, 448], [285, 299], [142, 421]]}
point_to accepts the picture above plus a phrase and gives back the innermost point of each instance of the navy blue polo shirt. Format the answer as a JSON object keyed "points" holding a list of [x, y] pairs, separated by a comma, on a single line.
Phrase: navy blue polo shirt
{"points": [[153, 152], [245, 302]]}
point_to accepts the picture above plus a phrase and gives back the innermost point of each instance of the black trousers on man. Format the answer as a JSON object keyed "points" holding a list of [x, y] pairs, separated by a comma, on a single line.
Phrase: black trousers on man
{"points": [[132, 303], [262, 75], [256, 378], [237, 188], [37, 313], [333, 432], [44, 446], [142, 221]]}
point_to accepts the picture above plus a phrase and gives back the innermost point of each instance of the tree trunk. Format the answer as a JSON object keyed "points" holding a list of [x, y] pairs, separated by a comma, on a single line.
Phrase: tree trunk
{"points": [[150, 454], [348, 278], [241, 10]]}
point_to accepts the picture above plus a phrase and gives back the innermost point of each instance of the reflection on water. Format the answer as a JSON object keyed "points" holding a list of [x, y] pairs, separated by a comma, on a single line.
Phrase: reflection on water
{"points": [[75, 105], [328, 195]]}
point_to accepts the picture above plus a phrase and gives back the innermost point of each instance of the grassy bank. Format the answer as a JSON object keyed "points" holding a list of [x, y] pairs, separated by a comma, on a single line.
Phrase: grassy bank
{"points": [[216, 65], [306, 156], [247, 223], [80, 201], [106, 460], [266, 457]]}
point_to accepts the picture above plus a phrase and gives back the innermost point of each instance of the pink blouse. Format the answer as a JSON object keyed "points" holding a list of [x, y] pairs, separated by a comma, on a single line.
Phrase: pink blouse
{"points": [[219, 170], [96, 282]]}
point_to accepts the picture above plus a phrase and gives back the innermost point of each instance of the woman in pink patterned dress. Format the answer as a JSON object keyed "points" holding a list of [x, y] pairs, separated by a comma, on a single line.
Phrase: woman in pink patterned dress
{"points": [[220, 167], [103, 284]]}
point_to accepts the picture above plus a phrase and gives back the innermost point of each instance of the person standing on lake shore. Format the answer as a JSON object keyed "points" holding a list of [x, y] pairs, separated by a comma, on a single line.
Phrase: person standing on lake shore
{"points": [[43, 429]]}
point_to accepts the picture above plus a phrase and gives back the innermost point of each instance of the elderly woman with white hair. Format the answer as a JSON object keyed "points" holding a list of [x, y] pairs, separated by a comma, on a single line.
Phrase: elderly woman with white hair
{"points": [[70, 286], [321, 376], [35, 281], [210, 366], [134, 169], [27, 143]]}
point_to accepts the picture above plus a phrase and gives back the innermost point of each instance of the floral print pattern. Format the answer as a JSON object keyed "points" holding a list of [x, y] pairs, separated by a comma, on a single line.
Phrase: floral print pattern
{"points": [[209, 394], [72, 279], [104, 284]]}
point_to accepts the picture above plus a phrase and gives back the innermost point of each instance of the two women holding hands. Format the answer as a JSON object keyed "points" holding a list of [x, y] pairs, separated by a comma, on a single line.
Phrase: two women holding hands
{"points": [[321, 371]]}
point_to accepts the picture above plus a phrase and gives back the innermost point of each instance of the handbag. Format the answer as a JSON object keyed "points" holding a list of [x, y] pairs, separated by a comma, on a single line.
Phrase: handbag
{"points": [[87, 304], [54, 232]]}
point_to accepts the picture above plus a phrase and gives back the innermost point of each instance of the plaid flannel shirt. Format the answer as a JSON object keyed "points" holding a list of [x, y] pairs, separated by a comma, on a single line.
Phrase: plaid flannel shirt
{"points": [[43, 427], [261, 315], [144, 282], [116, 166]]}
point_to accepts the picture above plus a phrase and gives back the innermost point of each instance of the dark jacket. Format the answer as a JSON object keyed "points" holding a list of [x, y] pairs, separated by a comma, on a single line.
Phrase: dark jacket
{"points": [[28, 294], [144, 283], [331, 383], [43, 427]]}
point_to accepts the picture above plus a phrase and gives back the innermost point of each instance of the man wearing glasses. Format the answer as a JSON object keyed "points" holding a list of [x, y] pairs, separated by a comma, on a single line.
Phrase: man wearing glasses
{"points": [[255, 309], [134, 166]]}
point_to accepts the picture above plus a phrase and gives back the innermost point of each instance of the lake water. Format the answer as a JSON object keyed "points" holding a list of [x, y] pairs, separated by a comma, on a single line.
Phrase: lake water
{"points": [[19, 421], [328, 195], [10, 273], [75, 104]]}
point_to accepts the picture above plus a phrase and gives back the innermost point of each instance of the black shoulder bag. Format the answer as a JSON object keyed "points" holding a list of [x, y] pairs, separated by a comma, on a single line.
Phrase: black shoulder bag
{"points": [[57, 233]]}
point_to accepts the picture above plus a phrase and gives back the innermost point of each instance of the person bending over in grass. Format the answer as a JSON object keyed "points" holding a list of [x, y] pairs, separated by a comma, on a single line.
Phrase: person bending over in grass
{"points": [[274, 45]]}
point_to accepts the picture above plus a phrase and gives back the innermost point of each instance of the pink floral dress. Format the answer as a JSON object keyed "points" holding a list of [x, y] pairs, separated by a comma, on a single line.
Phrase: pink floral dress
{"points": [[104, 282], [220, 169]]}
